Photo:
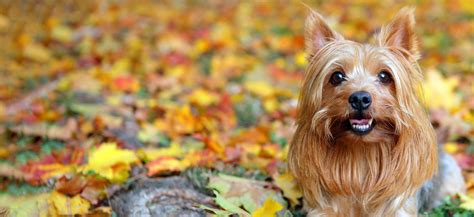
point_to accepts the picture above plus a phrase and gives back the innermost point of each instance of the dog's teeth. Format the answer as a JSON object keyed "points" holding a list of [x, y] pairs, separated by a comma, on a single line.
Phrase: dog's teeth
{"points": [[370, 121]]}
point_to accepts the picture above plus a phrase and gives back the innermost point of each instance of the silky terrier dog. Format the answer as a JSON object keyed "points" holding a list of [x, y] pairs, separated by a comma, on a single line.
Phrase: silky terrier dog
{"points": [[364, 145]]}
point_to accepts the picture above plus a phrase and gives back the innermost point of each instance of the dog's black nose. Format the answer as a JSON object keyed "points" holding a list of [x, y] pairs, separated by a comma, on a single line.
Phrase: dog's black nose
{"points": [[360, 100]]}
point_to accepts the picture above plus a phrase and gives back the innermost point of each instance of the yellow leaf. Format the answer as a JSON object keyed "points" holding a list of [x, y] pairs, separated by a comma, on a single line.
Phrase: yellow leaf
{"points": [[53, 170], [111, 162], [4, 152], [149, 133], [468, 202], [200, 46], [176, 71], [269, 208], [203, 97], [271, 104], [4, 22], [37, 52], [214, 143], [270, 150], [120, 67], [179, 120], [280, 63], [62, 33], [467, 6], [151, 154], [300, 59], [451, 147], [61, 204], [440, 92], [291, 190], [260, 88]]}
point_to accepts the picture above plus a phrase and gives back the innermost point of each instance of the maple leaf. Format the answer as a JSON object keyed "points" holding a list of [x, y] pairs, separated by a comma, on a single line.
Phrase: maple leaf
{"points": [[62, 33], [269, 208], [149, 154], [111, 162], [287, 183], [260, 88], [166, 164], [31, 205], [61, 204], [250, 194], [439, 92], [229, 205], [203, 97], [467, 202], [71, 187]]}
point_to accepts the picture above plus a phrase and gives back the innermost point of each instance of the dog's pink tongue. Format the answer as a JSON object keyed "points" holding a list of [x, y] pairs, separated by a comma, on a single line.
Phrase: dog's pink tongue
{"points": [[359, 121]]}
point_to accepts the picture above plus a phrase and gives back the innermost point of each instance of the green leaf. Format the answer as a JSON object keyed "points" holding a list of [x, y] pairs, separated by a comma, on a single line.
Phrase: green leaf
{"points": [[228, 205], [24, 156], [48, 146], [218, 212]]}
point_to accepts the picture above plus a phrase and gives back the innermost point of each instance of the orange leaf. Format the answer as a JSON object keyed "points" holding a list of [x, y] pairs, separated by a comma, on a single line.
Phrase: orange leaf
{"points": [[166, 164]]}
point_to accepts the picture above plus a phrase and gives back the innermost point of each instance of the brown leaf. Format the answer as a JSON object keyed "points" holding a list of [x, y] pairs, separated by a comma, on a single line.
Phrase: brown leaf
{"points": [[71, 187], [94, 189], [9, 171]]}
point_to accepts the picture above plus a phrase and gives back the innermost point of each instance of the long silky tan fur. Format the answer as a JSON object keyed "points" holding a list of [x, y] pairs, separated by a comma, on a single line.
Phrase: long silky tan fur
{"points": [[342, 174]]}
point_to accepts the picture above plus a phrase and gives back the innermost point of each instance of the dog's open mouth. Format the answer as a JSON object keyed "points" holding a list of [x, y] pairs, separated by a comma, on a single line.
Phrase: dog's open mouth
{"points": [[361, 126]]}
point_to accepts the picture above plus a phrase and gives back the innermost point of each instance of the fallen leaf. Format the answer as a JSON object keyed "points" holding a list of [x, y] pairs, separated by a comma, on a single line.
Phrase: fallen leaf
{"points": [[287, 183], [94, 189], [31, 205], [44, 130], [203, 97], [72, 186], [451, 147], [229, 205], [467, 202], [150, 154], [37, 52], [111, 162], [166, 164], [61, 204], [269, 208], [250, 194], [62, 33], [439, 92], [260, 88], [10, 171], [218, 212]]}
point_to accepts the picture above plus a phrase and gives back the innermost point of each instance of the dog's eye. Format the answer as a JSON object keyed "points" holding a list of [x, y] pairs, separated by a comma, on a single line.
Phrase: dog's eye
{"points": [[337, 78], [384, 77]]}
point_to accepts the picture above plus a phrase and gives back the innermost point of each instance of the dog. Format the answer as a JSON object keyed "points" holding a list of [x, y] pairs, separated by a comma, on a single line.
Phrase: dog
{"points": [[364, 144]]}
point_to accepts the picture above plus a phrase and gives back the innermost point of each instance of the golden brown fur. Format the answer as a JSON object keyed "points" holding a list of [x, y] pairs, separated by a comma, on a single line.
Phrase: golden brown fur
{"points": [[344, 174]]}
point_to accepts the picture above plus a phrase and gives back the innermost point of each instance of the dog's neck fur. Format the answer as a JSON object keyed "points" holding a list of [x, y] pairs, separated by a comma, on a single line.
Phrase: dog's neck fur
{"points": [[357, 178]]}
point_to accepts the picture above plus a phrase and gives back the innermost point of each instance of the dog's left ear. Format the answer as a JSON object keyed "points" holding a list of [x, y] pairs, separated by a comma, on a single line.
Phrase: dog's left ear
{"points": [[401, 33]]}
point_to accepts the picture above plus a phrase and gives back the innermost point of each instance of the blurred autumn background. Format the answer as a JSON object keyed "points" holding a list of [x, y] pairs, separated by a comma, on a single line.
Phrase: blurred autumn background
{"points": [[193, 101]]}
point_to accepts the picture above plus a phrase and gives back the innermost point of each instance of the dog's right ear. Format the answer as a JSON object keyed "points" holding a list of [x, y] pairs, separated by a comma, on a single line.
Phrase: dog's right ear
{"points": [[317, 33]]}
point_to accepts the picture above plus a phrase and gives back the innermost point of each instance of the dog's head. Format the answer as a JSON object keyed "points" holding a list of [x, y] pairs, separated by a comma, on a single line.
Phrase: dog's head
{"points": [[361, 92]]}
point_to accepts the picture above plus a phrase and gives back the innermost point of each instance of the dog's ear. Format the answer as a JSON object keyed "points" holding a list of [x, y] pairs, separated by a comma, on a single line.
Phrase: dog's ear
{"points": [[317, 33], [400, 32]]}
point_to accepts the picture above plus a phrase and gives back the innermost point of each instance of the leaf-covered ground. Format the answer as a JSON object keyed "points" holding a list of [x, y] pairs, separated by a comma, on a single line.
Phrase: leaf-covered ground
{"points": [[92, 92]]}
